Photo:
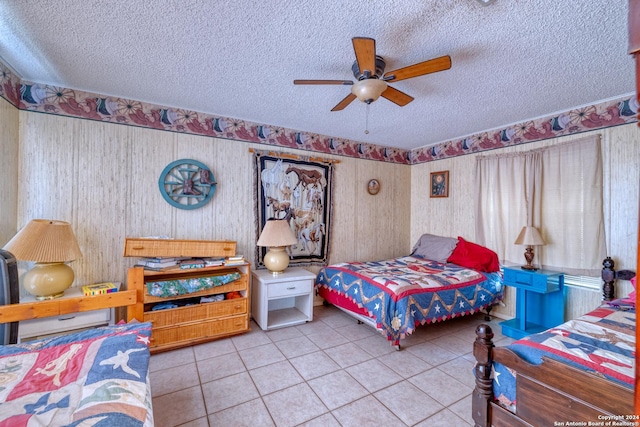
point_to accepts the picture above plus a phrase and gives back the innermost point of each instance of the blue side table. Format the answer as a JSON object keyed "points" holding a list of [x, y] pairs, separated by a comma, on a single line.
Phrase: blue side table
{"points": [[539, 301]]}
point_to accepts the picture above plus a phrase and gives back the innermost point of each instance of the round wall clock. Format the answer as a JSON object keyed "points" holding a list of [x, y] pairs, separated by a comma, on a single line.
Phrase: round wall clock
{"points": [[373, 187], [187, 184]]}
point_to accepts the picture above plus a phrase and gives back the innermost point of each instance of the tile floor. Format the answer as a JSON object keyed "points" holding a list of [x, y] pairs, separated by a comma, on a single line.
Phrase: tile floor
{"points": [[329, 372]]}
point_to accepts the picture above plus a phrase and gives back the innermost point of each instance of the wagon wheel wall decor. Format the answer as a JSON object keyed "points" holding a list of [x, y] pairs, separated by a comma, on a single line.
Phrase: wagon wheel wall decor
{"points": [[187, 184]]}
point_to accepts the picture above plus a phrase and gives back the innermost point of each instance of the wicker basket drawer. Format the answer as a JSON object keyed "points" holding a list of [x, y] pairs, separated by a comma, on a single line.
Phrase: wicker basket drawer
{"points": [[199, 331], [193, 313], [141, 247]]}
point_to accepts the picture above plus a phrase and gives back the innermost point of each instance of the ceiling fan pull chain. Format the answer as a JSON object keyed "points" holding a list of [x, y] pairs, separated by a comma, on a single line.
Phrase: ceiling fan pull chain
{"points": [[366, 127]]}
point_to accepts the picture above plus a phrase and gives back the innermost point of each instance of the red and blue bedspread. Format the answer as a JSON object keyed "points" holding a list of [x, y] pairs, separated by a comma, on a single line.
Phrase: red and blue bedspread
{"points": [[403, 293], [97, 377], [601, 342]]}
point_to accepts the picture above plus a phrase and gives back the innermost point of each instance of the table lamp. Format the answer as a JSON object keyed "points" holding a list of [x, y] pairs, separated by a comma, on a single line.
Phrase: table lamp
{"points": [[529, 236], [276, 235], [50, 244]]}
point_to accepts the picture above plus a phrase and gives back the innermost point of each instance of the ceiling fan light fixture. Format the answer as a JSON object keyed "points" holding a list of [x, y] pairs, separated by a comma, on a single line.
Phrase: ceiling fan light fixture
{"points": [[368, 90]]}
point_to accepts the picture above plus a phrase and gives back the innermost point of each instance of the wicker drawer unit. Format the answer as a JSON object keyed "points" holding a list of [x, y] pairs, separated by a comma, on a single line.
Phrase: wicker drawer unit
{"points": [[183, 325]]}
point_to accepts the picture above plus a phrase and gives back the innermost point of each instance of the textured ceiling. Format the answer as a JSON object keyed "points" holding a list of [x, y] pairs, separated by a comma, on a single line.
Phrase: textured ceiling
{"points": [[512, 60]]}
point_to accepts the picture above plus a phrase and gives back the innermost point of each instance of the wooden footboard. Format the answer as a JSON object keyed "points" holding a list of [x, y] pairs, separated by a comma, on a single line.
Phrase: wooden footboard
{"points": [[551, 393]]}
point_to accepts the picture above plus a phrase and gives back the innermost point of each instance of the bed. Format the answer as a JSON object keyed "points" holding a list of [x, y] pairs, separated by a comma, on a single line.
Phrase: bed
{"points": [[96, 377], [442, 278], [581, 372]]}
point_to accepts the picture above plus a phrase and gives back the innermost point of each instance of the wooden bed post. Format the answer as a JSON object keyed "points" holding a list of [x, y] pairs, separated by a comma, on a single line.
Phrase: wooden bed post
{"points": [[483, 392], [608, 277]]}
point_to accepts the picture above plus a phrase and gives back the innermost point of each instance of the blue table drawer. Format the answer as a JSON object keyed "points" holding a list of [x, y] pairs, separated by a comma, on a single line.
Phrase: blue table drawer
{"points": [[537, 281]]}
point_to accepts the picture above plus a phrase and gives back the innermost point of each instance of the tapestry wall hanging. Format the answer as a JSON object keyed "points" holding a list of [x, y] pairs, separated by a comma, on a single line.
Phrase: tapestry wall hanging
{"points": [[299, 190]]}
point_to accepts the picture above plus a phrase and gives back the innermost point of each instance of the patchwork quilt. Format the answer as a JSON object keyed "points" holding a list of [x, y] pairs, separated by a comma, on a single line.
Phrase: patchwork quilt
{"points": [[97, 377], [601, 342], [403, 293]]}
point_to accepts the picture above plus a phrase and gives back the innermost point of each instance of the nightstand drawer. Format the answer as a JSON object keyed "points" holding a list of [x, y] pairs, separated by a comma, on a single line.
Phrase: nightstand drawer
{"points": [[284, 289], [532, 280], [64, 323]]}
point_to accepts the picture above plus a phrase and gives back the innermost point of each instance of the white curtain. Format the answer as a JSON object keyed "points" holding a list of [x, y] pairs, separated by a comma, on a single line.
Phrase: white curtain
{"points": [[557, 189]]}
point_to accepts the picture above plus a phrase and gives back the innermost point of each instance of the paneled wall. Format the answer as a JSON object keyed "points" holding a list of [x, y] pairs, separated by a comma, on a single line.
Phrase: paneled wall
{"points": [[103, 178], [8, 170], [453, 216]]}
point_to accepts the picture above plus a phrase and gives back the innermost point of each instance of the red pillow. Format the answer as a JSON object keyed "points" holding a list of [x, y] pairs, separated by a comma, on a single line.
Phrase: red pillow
{"points": [[474, 256]]}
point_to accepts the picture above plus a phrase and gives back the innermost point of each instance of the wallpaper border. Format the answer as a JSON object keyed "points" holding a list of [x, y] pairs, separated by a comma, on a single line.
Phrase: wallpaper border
{"points": [[61, 101]]}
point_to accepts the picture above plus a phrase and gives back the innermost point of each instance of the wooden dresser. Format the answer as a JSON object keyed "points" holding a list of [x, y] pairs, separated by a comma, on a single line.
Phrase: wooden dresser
{"points": [[183, 325]]}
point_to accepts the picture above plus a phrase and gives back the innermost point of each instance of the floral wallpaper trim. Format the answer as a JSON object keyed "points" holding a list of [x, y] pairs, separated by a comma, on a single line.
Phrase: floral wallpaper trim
{"points": [[68, 102]]}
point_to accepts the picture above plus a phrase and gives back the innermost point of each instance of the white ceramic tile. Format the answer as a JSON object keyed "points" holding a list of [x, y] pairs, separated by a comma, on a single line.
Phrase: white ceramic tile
{"points": [[460, 369], [376, 345], [220, 366], [444, 418], [404, 363], [326, 420], [462, 409], [254, 357], [431, 353], [280, 334], [178, 408], [313, 327], [275, 377], [373, 375], [356, 331], [228, 392], [254, 338], [366, 412], [313, 365], [173, 379], [294, 405], [296, 346], [348, 354], [248, 414], [214, 348], [408, 402], [443, 388], [337, 389], [326, 339], [454, 344], [169, 359]]}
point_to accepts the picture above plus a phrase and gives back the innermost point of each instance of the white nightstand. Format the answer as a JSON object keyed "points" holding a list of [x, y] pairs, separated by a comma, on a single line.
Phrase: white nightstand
{"points": [[282, 300], [64, 323]]}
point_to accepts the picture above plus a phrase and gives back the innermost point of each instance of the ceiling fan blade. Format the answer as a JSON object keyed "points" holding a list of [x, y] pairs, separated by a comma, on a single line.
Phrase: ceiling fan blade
{"points": [[346, 101], [420, 69], [365, 49], [398, 97], [323, 82]]}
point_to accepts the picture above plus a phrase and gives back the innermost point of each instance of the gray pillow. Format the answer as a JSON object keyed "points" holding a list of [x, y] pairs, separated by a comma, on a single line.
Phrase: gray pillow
{"points": [[436, 248]]}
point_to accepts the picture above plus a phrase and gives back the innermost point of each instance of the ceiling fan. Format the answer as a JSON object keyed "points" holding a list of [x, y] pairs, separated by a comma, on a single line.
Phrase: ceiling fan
{"points": [[372, 81]]}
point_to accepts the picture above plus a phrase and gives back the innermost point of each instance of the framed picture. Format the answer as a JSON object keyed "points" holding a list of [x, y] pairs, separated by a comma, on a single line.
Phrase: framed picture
{"points": [[440, 184], [373, 187]]}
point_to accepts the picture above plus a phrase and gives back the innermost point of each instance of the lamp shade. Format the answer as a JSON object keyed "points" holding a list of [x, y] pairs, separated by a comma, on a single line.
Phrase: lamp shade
{"points": [[43, 240], [276, 232], [368, 90], [50, 244], [529, 236]]}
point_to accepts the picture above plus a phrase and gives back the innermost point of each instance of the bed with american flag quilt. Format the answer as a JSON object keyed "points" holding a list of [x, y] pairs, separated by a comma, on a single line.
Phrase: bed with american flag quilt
{"points": [[97, 377], [601, 342], [403, 293]]}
